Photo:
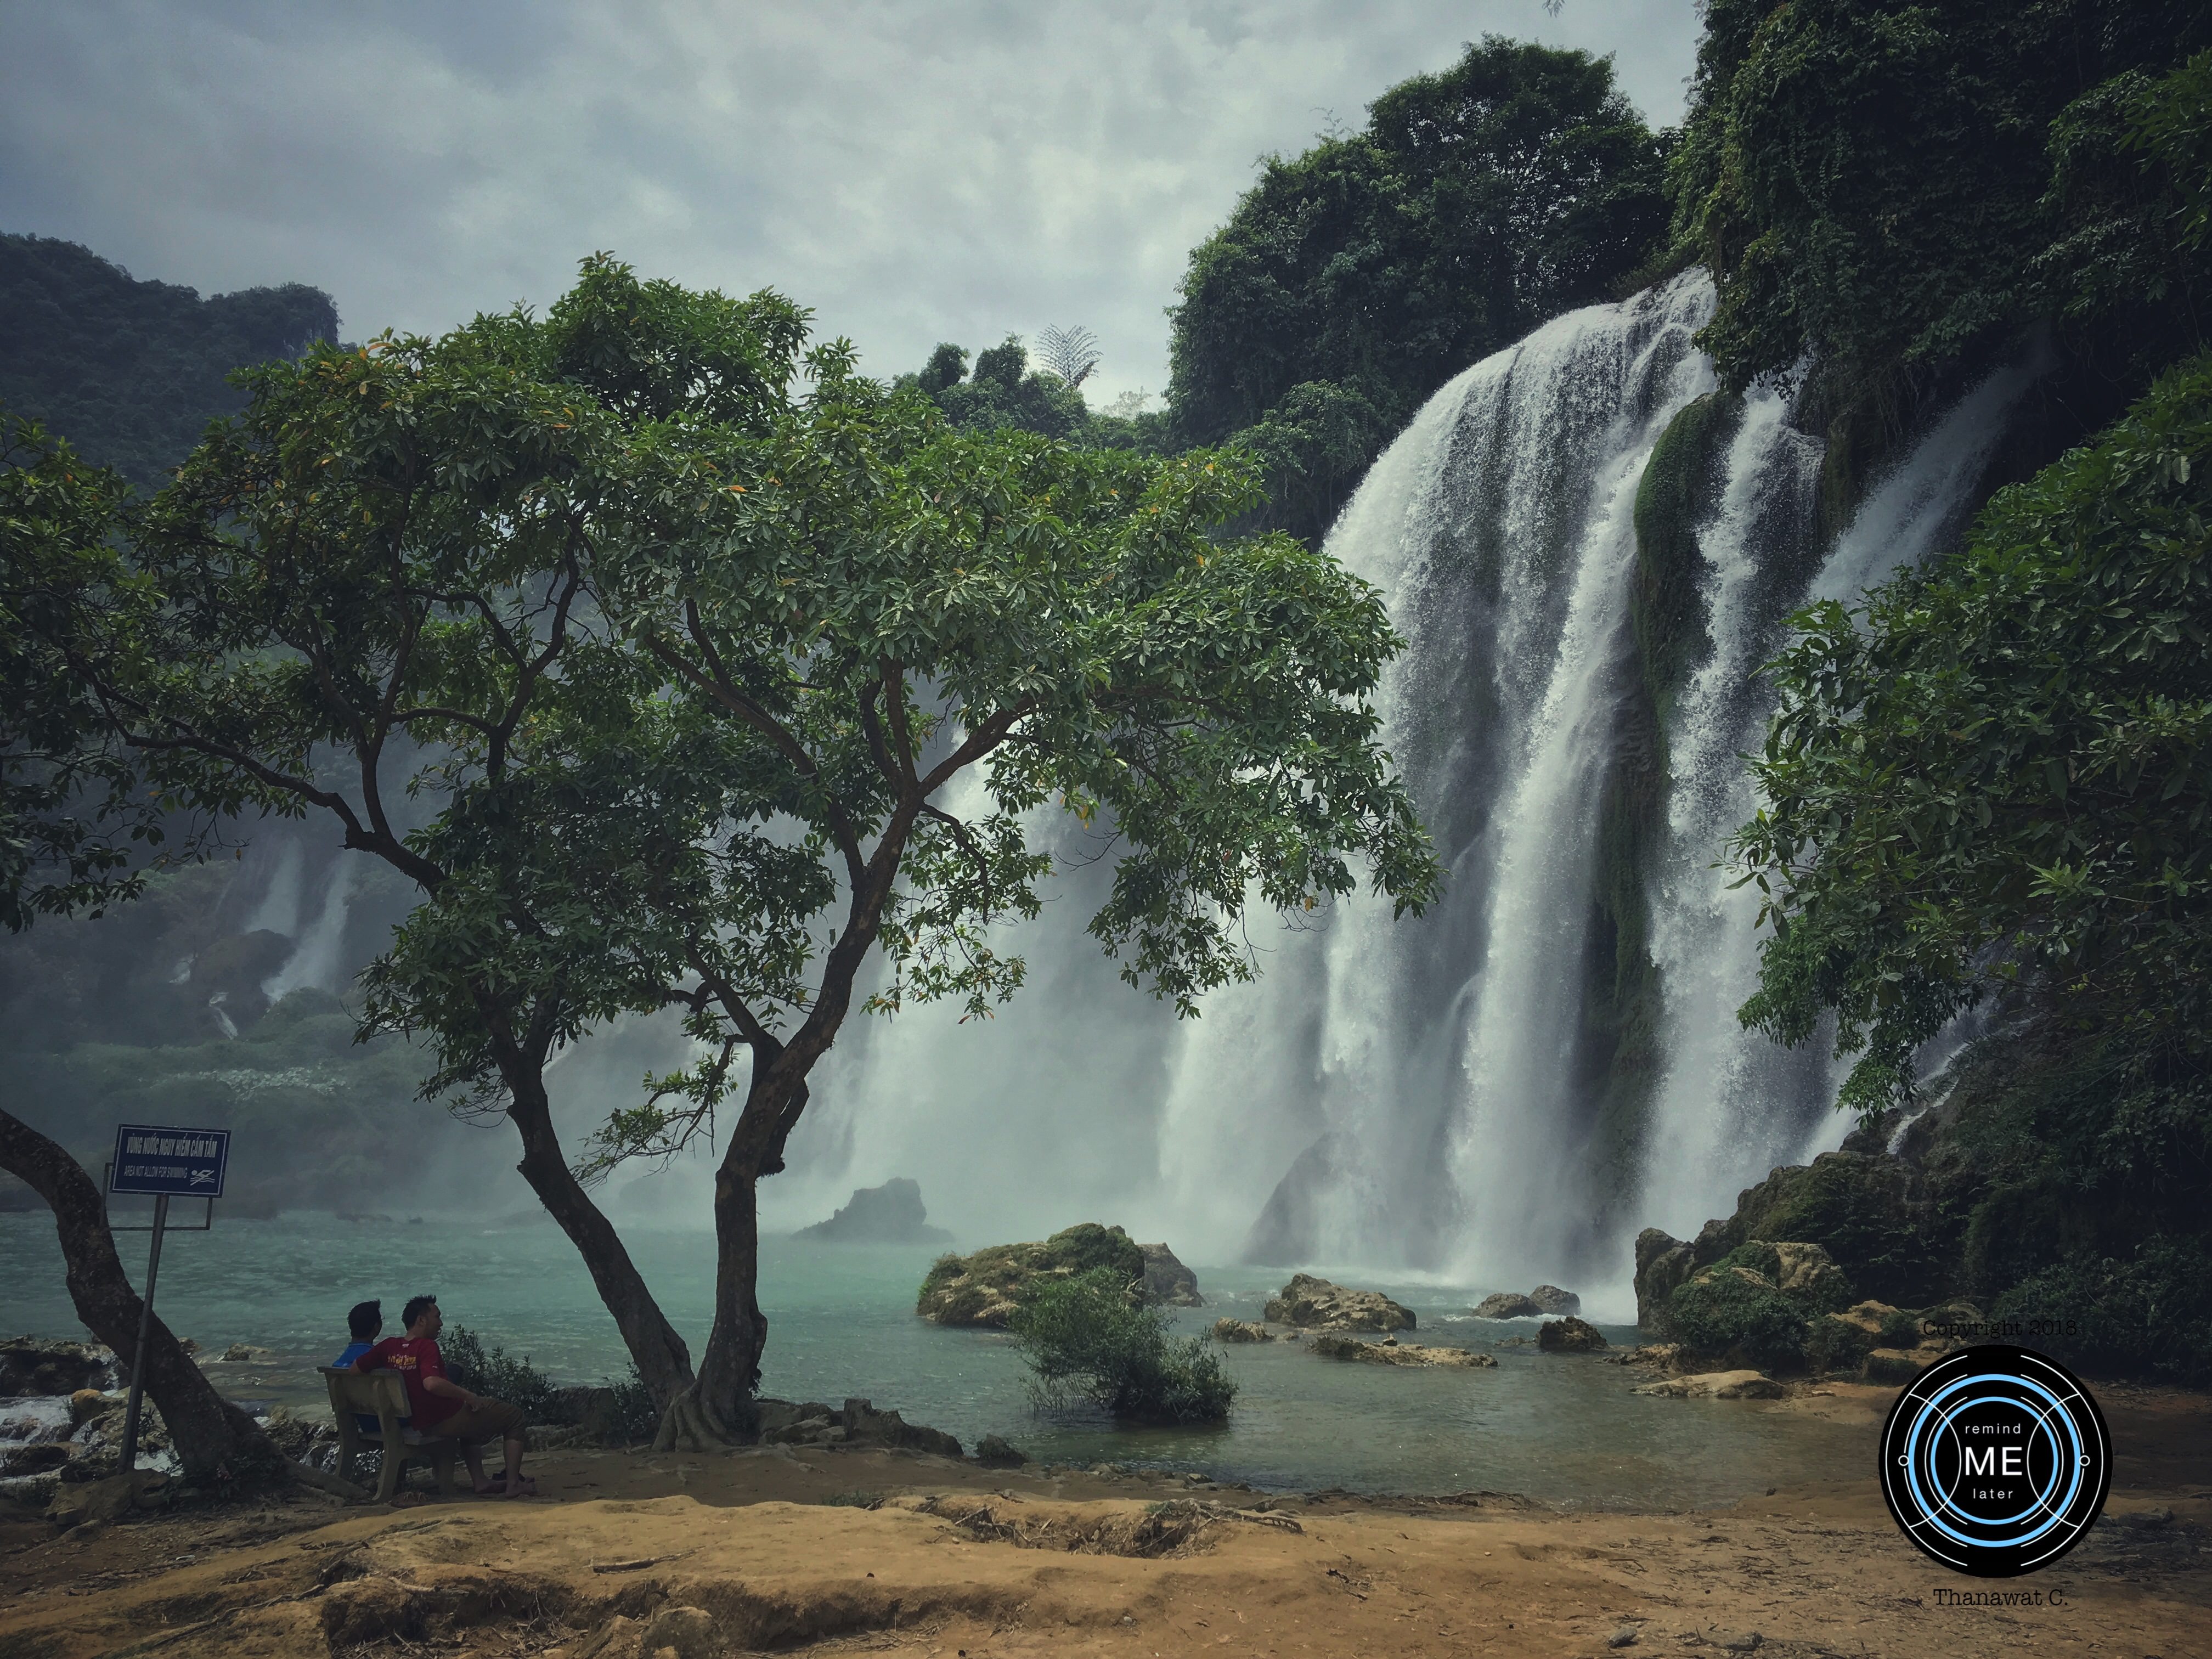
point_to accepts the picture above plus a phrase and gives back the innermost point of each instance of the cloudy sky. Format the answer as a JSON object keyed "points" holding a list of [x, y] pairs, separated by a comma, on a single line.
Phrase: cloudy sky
{"points": [[915, 170]]}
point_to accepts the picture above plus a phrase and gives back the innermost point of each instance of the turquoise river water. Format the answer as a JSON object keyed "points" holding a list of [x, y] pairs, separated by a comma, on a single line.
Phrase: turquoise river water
{"points": [[1561, 1429]]}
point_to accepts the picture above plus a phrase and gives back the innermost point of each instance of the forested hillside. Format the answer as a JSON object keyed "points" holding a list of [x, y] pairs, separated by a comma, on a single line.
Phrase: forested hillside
{"points": [[130, 372]]}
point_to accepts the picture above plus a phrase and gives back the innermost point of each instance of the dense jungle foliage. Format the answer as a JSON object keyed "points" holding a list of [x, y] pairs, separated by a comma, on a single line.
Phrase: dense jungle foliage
{"points": [[1986, 783], [130, 372], [1355, 279]]}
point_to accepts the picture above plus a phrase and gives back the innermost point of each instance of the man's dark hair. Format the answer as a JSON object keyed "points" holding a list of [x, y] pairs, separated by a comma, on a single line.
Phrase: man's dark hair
{"points": [[364, 1320], [413, 1310]]}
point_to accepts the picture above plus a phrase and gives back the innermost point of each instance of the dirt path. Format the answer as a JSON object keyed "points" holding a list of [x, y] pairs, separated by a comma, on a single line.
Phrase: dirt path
{"points": [[769, 1550]]}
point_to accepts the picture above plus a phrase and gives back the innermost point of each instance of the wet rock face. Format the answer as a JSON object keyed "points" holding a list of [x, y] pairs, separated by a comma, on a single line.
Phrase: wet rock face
{"points": [[1570, 1335], [1716, 1385], [1554, 1300], [994, 1452], [1663, 1263], [1315, 1304], [1391, 1352], [1508, 1305], [30, 1366], [1168, 1282], [1241, 1330], [892, 1214]]}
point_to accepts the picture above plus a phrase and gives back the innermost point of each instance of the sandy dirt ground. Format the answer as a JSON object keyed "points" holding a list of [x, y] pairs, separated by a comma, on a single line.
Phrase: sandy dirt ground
{"points": [[631, 1555]]}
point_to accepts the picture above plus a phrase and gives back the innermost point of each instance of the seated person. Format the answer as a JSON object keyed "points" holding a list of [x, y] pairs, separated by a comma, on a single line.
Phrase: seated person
{"points": [[441, 1407], [366, 1321]]}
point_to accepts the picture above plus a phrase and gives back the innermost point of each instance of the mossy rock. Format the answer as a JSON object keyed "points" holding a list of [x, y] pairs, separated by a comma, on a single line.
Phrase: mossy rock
{"points": [[984, 1288], [1734, 1312], [1860, 1209]]}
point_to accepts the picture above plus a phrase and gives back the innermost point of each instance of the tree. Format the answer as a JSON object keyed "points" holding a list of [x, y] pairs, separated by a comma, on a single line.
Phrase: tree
{"points": [[876, 605], [381, 566], [684, 661], [1364, 273], [1994, 777], [1070, 353], [80, 820]]}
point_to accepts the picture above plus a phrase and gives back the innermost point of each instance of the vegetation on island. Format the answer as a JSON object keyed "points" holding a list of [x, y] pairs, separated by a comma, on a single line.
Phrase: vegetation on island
{"points": [[1087, 1336]]}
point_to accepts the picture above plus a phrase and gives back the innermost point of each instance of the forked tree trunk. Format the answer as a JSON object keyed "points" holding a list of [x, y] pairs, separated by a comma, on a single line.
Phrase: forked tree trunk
{"points": [[663, 1361], [720, 1409], [213, 1439]]}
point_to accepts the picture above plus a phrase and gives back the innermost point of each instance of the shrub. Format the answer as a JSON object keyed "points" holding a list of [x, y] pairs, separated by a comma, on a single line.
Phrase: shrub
{"points": [[2152, 1315], [1084, 1336], [496, 1373], [1720, 1311]]}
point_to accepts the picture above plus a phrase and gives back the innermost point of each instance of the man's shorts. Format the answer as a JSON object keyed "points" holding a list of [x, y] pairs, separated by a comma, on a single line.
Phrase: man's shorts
{"points": [[494, 1419]]}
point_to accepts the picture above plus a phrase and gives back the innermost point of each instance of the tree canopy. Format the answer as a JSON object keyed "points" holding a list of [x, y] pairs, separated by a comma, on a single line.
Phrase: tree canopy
{"points": [[1355, 279], [1893, 187], [1995, 775]]}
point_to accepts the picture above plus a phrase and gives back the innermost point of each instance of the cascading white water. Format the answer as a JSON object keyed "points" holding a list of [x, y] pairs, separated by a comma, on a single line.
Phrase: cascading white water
{"points": [[1731, 1105]]}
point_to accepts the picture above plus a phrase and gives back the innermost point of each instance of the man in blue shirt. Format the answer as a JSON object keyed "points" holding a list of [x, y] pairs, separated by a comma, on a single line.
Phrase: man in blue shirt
{"points": [[366, 1321]]}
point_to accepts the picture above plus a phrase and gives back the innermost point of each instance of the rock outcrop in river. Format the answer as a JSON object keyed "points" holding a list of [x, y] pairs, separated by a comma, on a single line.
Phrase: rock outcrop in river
{"points": [[1314, 1304], [985, 1288], [892, 1214]]}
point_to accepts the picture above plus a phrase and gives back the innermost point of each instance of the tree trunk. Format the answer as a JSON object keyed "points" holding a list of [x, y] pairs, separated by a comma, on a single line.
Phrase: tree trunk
{"points": [[662, 1359], [213, 1439], [718, 1408]]}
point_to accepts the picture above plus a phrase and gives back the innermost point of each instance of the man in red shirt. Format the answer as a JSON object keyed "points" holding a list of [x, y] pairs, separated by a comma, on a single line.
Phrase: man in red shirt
{"points": [[441, 1406]]}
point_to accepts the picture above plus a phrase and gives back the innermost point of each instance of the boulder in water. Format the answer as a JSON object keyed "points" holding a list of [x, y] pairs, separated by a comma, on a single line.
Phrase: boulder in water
{"points": [[1554, 1300], [985, 1288], [1314, 1304], [1168, 1282], [32, 1366], [1391, 1352], [1508, 1305], [892, 1214], [1241, 1330], [1569, 1335], [1744, 1384]]}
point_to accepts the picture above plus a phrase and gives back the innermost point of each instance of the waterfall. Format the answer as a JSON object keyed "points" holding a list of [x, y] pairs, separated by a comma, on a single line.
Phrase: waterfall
{"points": [[1730, 1104], [1459, 1095], [319, 959]]}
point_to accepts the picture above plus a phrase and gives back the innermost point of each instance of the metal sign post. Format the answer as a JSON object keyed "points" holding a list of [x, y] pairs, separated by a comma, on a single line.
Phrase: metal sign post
{"points": [[164, 1162]]}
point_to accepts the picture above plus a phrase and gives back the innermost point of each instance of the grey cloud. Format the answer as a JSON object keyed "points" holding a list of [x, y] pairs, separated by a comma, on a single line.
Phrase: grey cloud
{"points": [[915, 173]]}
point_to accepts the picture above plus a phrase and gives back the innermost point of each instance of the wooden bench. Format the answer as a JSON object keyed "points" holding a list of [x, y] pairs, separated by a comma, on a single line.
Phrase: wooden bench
{"points": [[383, 1395]]}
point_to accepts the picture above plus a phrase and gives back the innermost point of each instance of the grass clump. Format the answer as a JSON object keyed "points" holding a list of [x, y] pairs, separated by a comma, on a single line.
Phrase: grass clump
{"points": [[1086, 1337]]}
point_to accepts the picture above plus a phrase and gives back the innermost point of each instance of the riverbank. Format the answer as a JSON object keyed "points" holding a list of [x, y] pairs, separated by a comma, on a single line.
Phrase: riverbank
{"points": [[774, 1549]]}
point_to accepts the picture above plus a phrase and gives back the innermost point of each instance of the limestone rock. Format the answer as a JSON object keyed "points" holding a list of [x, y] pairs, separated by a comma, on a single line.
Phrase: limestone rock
{"points": [[32, 1366], [892, 1214], [985, 1288], [1168, 1282], [1508, 1305], [1391, 1352], [1716, 1385], [1241, 1330], [40, 1457], [88, 1403], [1892, 1366], [1315, 1304], [1809, 1276], [245, 1353], [1290, 1225], [994, 1452], [1569, 1335], [1554, 1300], [1663, 1263]]}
